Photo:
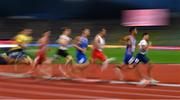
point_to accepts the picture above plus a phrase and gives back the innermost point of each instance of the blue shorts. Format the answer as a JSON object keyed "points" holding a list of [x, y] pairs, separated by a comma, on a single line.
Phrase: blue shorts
{"points": [[81, 59], [141, 58], [128, 59]]}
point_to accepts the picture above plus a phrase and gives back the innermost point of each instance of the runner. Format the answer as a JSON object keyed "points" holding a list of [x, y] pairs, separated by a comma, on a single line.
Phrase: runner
{"points": [[98, 45], [142, 57], [64, 42], [17, 55], [130, 41], [130, 48], [81, 45], [41, 55]]}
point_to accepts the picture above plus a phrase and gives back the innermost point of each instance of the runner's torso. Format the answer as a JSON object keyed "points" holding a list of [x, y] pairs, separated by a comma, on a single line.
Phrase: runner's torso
{"points": [[83, 44], [101, 42], [130, 48], [65, 38]]}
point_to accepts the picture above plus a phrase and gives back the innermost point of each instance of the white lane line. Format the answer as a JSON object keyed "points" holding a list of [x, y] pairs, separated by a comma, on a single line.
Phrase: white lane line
{"points": [[98, 85], [136, 83], [114, 82], [114, 87], [87, 90], [86, 80]]}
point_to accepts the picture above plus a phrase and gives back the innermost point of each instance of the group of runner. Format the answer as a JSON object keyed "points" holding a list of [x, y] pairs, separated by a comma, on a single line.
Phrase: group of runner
{"points": [[131, 61], [81, 43]]}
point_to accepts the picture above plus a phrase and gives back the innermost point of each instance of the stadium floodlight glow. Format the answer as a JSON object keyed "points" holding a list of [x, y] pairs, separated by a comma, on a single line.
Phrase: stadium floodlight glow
{"points": [[145, 17]]}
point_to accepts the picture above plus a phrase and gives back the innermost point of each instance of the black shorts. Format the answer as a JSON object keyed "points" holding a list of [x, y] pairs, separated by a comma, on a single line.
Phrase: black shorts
{"points": [[62, 53]]}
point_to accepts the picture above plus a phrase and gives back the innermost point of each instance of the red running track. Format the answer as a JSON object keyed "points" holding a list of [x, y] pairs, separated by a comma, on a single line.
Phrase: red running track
{"points": [[50, 89]]}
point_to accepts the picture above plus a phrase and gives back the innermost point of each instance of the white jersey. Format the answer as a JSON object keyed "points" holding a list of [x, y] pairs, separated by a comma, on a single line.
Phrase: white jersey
{"points": [[133, 45], [66, 38], [141, 44], [101, 42]]}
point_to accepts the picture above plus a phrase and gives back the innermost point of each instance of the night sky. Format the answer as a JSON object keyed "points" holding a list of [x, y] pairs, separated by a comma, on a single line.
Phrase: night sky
{"points": [[80, 9]]}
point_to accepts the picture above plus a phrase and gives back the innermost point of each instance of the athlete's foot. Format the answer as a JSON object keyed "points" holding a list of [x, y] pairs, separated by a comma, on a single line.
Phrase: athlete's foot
{"points": [[70, 62], [29, 72], [63, 71], [119, 73], [48, 77], [105, 64], [118, 66], [154, 82], [144, 83], [131, 66]]}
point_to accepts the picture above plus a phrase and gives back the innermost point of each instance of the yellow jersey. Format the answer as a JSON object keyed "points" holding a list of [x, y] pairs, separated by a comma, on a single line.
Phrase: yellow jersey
{"points": [[22, 40]]}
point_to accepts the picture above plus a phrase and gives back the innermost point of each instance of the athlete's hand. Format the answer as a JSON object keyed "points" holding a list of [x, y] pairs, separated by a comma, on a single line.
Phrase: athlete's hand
{"points": [[74, 45], [150, 43]]}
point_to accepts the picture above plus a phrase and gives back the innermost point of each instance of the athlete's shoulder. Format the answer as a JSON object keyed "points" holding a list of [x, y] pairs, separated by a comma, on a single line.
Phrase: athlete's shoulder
{"points": [[64, 37], [143, 42], [127, 37]]}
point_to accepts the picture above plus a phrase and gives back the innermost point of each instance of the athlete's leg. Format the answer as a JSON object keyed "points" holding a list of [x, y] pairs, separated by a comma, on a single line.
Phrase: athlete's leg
{"points": [[45, 69], [34, 65], [144, 79], [69, 60], [149, 72], [119, 73], [93, 57], [106, 62], [81, 65]]}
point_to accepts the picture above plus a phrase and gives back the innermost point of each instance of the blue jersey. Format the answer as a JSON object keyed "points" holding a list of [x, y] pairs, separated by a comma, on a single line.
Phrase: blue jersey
{"points": [[130, 48], [81, 57]]}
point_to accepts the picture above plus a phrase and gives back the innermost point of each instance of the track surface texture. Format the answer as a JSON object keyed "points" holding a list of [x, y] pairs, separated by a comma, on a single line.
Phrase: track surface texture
{"points": [[36, 88]]}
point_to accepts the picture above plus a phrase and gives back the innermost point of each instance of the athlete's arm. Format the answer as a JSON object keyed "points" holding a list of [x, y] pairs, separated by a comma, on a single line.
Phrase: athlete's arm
{"points": [[79, 48], [62, 42], [149, 44], [126, 38], [76, 42], [96, 42]]}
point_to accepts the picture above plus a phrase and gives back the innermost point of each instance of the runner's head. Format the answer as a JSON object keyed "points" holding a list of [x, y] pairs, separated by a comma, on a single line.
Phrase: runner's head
{"points": [[146, 36], [47, 33], [85, 32], [77, 40], [133, 31], [102, 32], [26, 31], [66, 31]]}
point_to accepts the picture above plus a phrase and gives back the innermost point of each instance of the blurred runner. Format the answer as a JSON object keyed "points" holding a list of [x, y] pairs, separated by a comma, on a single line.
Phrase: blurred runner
{"points": [[130, 41], [17, 54], [142, 57], [81, 45], [41, 58], [98, 45], [64, 42]]}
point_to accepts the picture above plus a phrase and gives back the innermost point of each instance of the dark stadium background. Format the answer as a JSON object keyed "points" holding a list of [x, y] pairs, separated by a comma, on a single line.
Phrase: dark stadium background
{"points": [[41, 15]]}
